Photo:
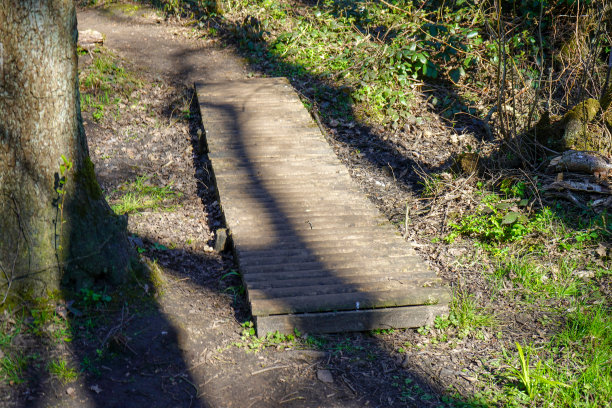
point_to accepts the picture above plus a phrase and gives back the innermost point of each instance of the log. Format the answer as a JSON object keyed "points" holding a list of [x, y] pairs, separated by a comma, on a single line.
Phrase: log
{"points": [[582, 162]]}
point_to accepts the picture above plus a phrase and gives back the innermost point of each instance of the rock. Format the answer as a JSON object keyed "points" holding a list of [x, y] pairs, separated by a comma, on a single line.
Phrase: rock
{"points": [[89, 39], [325, 376], [70, 391]]}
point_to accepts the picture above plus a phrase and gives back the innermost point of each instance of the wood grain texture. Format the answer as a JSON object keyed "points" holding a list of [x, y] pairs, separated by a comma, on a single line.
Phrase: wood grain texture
{"points": [[314, 252]]}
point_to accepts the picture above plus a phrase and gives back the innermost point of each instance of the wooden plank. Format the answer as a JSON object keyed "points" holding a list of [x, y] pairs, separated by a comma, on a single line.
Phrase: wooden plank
{"points": [[349, 301], [330, 261], [355, 236], [348, 272], [416, 278], [355, 251], [389, 250], [340, 287], [332, 267], [361, 320]]}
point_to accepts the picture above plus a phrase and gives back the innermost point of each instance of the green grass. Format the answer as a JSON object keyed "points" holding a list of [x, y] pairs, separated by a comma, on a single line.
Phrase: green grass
{"points": [[465, 317], [138, 195], [61, 370], [105, 83], [573, 370], [11, 368], [542, 258]]}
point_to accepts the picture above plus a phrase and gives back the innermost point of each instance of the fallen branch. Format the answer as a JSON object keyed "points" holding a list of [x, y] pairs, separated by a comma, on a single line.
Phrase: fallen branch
{"points": [[582, 162], [577, 186]]}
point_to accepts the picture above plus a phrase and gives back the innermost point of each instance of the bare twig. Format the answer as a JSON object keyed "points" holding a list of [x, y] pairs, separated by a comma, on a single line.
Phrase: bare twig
{"points": [[263, 370]]}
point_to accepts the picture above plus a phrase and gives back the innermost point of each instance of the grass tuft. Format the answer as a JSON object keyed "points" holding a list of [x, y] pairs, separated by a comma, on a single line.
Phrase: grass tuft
{"points": [[139, 196]]}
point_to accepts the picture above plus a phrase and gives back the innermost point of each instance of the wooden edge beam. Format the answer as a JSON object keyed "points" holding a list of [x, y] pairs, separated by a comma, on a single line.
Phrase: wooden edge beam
{"points": [[350, 321]]}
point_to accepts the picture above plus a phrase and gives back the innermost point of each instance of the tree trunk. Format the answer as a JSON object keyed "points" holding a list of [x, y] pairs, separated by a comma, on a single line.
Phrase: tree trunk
{"points": [[56, 228]]}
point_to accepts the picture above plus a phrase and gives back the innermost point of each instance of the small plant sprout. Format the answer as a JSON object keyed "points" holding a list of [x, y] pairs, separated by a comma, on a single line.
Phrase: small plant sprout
{"points": [[61, 370], [531, 379], [60, 189]]}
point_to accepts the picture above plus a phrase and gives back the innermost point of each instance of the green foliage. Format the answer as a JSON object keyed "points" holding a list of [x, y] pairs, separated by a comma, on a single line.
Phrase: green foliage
{"points": [[92, 298], [251, 342], [531, 379], [235, 290], [465, 317], [11, 368], [586, 340], [501, 221]]}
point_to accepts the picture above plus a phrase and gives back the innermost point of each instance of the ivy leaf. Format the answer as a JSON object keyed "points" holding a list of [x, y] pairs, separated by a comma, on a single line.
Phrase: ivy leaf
{"points": [[454, 75], [510, 218]]}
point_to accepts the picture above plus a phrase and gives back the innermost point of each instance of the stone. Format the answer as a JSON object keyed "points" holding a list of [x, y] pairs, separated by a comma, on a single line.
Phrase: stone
{"points": [[325, 376], [221, 242]]}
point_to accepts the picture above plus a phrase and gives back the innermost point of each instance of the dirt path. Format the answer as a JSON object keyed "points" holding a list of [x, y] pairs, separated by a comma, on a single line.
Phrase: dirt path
{"points": [[147, 41], [189, 347]]}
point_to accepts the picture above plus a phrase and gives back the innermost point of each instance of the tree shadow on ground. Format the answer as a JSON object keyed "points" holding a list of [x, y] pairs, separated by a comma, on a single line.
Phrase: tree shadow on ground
{"points": [[349, 352], [390, 152]]}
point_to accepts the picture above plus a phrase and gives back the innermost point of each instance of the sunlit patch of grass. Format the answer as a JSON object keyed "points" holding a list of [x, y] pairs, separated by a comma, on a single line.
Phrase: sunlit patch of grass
{"points": [[573, 370], [586, 343], [465, 317], [139, 196], [11, 368], [105, 82]]}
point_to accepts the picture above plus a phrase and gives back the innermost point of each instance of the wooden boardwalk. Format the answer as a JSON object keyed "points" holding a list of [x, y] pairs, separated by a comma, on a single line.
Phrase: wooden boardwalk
{"points": [[314, 253]]}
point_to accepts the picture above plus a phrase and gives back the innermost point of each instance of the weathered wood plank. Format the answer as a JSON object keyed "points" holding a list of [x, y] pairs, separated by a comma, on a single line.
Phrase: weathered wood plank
{"points": [[349, 301], [389, 250], [276, 281], [341, 287], [361, 320], [333, 268]]}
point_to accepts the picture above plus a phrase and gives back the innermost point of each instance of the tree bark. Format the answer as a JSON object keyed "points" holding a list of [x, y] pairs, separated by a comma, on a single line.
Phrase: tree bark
{"points": [[52, 233]]}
